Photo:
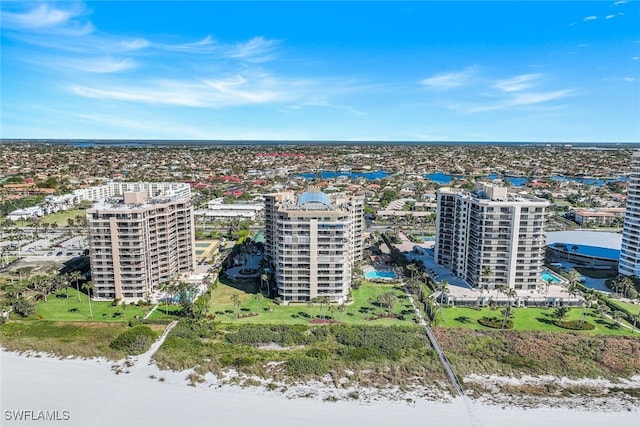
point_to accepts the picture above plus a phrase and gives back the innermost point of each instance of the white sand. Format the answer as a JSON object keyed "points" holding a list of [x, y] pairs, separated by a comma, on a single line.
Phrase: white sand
{"points": [[95, 395]]}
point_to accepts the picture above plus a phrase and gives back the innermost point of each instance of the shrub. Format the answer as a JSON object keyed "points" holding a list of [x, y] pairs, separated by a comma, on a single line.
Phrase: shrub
{"points": [[23, 307], [135, 340], [284, 335], [495, 322], [575, 325], [299, 366]]}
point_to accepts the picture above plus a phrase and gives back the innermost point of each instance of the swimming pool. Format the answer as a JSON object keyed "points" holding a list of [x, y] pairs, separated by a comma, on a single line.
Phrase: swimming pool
{"points": [[546, 277], [375, 274]]}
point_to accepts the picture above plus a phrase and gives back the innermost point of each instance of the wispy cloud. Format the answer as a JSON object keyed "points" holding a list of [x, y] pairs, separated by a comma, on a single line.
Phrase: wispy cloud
{"points": [[514, 92], [590, 18], [258, 49], [47, 18], [134, 44], [102, 65], [516, 100], [451, 80], [227, 91], [619, 2], [517, 83]]}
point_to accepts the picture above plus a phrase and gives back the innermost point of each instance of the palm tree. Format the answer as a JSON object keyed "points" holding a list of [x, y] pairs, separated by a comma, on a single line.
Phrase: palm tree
{"points": [[342, 308], [259, 299], [547, 285], [388, 299], [587, 299], [507, 312], [88, 286], [561, 313], [76, 276], [310, 307], [617, 316], [635, 320], [575, 248], [236, 303], [412, 269], [486, 273], [511, 294], [325, 301], [444, 289]]}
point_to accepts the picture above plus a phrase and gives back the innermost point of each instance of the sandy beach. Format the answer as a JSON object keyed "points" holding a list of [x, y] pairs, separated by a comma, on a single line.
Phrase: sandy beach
{"points": [[91, 393]]}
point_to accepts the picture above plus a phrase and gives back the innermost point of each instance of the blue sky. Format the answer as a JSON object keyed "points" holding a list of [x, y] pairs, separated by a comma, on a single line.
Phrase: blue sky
{"points": [[543, 71]]}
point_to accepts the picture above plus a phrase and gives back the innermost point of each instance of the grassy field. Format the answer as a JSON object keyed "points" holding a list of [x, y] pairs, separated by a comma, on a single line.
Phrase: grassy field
{"points": [[363, 309], [573, 355], [58, 218], [62, 338], [527, 319], [367, 355], [60, 308], [633, 308]]}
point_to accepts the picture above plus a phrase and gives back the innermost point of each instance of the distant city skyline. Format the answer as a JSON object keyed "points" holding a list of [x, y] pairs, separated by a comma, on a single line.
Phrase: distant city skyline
{"points": [[397, 71]]}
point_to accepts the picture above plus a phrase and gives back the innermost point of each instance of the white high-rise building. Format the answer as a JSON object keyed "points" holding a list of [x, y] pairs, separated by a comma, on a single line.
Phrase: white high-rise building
{"points": [[491, 237], [629, 263], [138, 243], [312, 242]]}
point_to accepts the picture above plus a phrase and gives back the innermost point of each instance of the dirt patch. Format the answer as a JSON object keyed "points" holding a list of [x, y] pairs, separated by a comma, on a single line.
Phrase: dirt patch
{"points": [[28, 266]]}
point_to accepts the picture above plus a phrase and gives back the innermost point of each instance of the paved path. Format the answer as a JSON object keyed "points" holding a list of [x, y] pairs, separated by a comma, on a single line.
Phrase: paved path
{"points": [[145, 358], [443, 359], [436, 346]]}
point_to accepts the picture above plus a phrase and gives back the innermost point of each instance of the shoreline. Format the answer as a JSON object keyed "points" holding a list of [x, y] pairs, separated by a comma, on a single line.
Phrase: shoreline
{"points": [[99, 392]]}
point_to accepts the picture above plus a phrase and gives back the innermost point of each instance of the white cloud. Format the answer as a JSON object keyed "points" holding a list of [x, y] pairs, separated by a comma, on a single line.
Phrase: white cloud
{"points": [[610, 16], [450, 80], [619, 2], [134, 44], [590, 18], [515, 100], [102, 65], [517, 83], [207, 93], [46, 18], [258, 49], [629, 79]]}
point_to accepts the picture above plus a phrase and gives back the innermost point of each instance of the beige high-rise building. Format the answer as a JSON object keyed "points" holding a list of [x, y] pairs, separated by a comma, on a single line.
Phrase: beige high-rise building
{"points": [[138, 243], [629, 263], [312, 242], [491, 237]]}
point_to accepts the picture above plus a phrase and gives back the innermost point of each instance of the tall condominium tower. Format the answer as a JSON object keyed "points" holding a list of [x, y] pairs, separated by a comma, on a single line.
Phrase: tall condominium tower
{"points": [[312, 242], [491, 237], [629, 264], [138, 243]]}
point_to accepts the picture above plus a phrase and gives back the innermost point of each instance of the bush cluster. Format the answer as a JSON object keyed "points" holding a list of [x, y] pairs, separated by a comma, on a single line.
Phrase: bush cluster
{"points": [[278, 334], [575, 325], [301, 366], [495, 322], [135, 340]]}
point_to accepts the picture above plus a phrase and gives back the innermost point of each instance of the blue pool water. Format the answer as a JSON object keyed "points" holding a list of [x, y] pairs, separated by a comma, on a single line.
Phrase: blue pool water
{"points": [[380, 275], [546, 276]]}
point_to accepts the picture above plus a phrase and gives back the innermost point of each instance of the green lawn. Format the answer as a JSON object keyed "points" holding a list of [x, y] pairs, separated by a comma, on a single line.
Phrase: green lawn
{"points": [[69, 309], [364, 307], [59, 218], [527, 319], [633, 308]]}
